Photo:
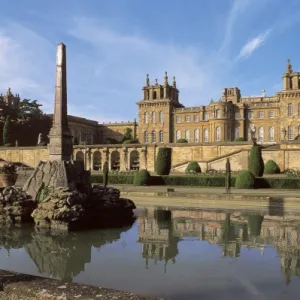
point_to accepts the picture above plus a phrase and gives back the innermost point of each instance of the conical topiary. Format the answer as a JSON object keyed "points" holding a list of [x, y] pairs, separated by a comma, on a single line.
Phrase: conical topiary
{"points": [[255, 161]]}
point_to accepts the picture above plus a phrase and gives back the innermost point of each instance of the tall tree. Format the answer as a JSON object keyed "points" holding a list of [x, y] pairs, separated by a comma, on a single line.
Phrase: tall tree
{"points": [[7, 132]]}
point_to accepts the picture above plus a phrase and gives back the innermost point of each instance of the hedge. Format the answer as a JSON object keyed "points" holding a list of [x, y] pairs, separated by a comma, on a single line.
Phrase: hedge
{"points": [[204, 181], [245, 180]]}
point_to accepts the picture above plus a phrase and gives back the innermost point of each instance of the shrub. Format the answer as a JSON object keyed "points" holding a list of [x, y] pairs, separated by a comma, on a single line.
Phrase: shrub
{"points": [[271, 167], [245, 180], [181, 141], [7, 132], [193, 167], [163, 161], [8, 169], [142, 177], [240, 139], [255, 161]]}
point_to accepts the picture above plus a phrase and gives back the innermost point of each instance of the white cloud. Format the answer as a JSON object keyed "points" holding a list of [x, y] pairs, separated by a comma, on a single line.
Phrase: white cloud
{"points": [[253, 44]]}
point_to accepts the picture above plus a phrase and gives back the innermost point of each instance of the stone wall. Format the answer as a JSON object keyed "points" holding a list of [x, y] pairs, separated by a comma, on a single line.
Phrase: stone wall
{"points": [[209, 156]]}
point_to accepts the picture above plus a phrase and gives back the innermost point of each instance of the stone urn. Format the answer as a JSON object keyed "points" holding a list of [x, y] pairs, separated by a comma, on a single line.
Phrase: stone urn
{"points": [[8, 175]]}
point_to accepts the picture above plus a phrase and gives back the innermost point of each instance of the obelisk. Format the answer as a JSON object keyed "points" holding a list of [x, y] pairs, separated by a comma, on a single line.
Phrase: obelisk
{"points": [[60, 145]]}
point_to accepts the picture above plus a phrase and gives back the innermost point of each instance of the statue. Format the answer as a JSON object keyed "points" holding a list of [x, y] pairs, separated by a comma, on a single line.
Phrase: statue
{"points": [[253, 131], [17, 143], [283, 133], [40, 137], [105, 174]]}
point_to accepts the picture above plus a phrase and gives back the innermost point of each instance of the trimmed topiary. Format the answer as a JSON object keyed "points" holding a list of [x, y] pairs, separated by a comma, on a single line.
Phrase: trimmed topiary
{"points": [[255, 161], [271, 167], [163, 161], [181, 141], [142, 177], [193, 167], [245, 180]]}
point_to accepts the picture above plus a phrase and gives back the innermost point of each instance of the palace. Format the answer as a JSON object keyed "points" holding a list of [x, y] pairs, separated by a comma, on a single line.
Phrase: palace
{"points": [[163, 119]]}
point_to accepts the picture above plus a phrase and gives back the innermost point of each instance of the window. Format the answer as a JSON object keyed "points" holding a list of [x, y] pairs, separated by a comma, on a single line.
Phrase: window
{"points": [[271, 134], [196, 136], [250, 115], [290, 133], [271, 114], [218, 134], [299, 130], [177, 119], [187, 119], [161, 117], [249, 133], [205, 135], [154, 94], [236, 132], [145, 137], [187, 135], [218, 113], [205, 116], [237, 115], [299, 109], [260, 134], [161, 136], [196, 118], [146, 121], [153, 117], [290, 110], [153, 137], [260, 114], [178, 135]]}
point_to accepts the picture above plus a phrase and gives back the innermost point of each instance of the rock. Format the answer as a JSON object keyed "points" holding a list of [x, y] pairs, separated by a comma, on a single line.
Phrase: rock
{"points": [[15, 206], [71, 209]]}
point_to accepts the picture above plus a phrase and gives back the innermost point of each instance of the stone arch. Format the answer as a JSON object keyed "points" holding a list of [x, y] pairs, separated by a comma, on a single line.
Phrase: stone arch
{"points": [[134, 160], [97, 161], [115, 160], [79, 156]]}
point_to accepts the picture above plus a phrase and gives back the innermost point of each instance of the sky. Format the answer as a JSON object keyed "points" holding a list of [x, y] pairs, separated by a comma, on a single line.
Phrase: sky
{"points": [[112, 44]]}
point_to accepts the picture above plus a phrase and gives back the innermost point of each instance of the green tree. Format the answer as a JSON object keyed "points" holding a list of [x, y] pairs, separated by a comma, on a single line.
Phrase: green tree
{"points": [[127, 134], [255, 161], [7, 132], [163, 161]]}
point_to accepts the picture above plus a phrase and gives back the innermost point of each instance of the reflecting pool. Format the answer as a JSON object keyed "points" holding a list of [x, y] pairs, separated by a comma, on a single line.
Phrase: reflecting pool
{"points": [[177, 253]]}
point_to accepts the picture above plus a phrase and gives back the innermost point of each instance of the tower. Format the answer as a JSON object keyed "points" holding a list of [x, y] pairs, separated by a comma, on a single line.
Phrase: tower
{"points": [[291, 80], [156, 111]]}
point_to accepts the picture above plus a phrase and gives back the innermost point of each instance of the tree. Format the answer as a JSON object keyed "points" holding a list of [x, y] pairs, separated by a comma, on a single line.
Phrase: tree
{"points": [[7, 132], [255, 161], [127, 134], [163, 161], [228, 176]]}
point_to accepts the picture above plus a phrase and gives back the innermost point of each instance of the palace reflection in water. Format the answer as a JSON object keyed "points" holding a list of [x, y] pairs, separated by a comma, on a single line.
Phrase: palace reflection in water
{"points": [[159, 234]]}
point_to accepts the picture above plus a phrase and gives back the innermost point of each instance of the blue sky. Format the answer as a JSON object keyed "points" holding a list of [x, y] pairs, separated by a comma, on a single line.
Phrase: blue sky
{"points": [[112, 44]]}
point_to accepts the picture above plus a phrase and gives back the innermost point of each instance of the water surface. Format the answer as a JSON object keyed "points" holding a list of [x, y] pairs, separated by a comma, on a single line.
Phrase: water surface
{"points": [[179, 254]]}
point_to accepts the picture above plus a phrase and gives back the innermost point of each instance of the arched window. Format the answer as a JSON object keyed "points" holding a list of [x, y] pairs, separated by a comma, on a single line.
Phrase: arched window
{"points": [[218, 113], [161, 136], [153, 137], [290, 133], [145, 137], [205, 135], [260, 134], [196, 136], [218, 134], [153, 117], [146, 120], [161, 117], [178, 135], [237, 132], [290, 110], [205, 116], [187, 135], [271, 134]]}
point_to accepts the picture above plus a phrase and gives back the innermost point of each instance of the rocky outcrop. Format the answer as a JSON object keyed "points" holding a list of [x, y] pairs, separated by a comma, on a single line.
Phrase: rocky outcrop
{"points": [[15, 206], [70, 210]]}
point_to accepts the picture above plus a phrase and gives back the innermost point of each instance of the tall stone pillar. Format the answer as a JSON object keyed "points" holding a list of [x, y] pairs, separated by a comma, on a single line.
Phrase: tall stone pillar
{"points": [[60, 145]]}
